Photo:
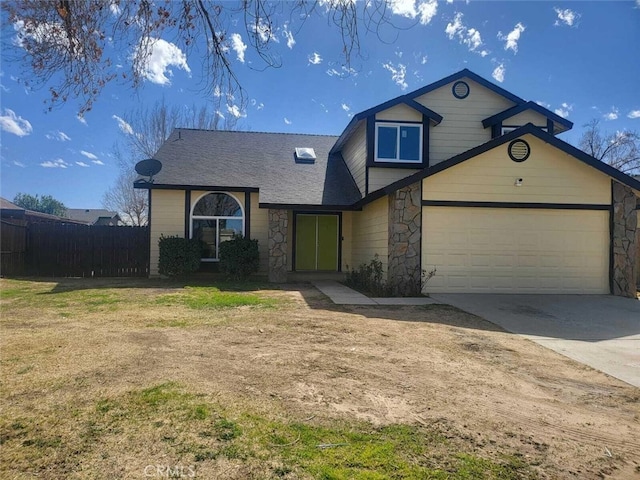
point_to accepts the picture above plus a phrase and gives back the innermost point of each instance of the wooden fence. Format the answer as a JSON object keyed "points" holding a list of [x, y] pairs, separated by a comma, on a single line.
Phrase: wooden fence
{"points": [[13, 245], [69, 250]]}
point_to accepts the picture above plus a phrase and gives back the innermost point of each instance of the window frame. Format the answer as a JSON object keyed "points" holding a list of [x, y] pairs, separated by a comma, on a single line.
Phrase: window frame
{"points": [[217, 218], [397, 160]]}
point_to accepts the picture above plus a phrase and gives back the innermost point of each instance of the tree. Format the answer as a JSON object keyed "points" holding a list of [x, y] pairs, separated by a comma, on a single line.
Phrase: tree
{"points": [[620, 149], [72, 46], [44, 204], [145, 131]]}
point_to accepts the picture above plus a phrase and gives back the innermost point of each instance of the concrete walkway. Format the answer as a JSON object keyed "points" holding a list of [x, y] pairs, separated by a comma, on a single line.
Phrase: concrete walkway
{"points": [[343, 295]]}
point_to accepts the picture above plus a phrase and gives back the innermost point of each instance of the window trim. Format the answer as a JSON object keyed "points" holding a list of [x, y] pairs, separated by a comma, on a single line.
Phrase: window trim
{"points": [[193, 217], [397, 160]]}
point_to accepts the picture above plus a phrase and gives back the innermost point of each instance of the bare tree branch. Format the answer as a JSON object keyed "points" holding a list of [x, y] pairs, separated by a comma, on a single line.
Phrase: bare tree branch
{"points": [[620, 149]]}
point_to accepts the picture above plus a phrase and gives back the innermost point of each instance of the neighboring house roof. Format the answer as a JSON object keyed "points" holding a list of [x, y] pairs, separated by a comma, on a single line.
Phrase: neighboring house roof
{"points": [[508, 137], [252, 161], [12, 210], [93, 216], [562, 124]]}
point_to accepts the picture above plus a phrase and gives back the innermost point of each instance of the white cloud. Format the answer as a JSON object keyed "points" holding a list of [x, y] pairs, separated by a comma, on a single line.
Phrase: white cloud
{"points": [[398, 74], [264, 31], [124, 126], [345, 107], [470, 37], [543, 104], [58, 135], [634, 113], [286, 33], [315, 58], [498, 73], [563, 110], [425, 10], [163, 55], [57, 163], [287, 121], [512, 38], [423, 60], [19, 164], [566, 17], [238, 46], [612, 115], [235, 111], [97, 162], [11, 123], [89, 155], [115, 9], [81, 119], [82, 164], [343, 72]]}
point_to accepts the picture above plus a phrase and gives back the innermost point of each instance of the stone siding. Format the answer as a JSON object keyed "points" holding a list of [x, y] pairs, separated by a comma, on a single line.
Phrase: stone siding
{"points": [[278, 231], [405, 231], [625, 248]]}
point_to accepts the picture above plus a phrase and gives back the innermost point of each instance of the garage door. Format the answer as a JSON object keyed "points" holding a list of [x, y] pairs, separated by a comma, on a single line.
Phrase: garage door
{"points": [[502, 250]]}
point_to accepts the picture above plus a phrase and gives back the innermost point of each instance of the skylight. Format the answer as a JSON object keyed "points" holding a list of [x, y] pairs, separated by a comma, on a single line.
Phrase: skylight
{"points": [[305, 155]]}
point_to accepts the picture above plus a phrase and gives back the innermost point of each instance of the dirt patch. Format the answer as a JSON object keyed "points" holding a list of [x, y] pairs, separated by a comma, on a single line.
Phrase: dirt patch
{"points": [[429, 366]]}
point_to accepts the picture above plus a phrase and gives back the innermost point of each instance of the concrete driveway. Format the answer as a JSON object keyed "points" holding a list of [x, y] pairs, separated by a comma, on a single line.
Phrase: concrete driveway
{"points": [[601, 331]]}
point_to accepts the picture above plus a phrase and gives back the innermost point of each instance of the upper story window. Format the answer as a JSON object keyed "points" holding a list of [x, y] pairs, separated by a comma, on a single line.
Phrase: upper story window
{"points": [[398, 142]]}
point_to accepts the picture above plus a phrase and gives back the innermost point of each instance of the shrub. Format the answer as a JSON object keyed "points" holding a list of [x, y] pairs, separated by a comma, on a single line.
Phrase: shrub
{"points": [[239, 257], [368, 278], [178, 256]]}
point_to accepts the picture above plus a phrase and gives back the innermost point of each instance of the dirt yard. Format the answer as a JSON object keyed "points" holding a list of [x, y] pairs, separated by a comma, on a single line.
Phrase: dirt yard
{"points": [[66, 345]]}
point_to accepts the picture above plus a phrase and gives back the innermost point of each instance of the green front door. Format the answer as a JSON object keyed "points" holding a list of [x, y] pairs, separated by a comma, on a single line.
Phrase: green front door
{"points": [[317, 242]]}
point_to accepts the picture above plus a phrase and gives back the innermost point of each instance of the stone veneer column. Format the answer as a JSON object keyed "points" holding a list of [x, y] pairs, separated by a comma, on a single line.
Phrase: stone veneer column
{"points": [[278, 227], [405, 237], [625, 249]]}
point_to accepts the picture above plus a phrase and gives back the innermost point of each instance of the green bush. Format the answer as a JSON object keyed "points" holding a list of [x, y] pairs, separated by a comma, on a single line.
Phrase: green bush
{"points": [[239, 257], [178, 256]]}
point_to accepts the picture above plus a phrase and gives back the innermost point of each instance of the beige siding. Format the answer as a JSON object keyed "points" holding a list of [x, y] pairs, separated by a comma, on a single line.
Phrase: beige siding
{"points": [[347, 240], [400, 112], [548, 176], [370, 233], [502, 250], [461, 128], [354, 153], [528, 116], [380, 177], [260, 231], [167, 218]]}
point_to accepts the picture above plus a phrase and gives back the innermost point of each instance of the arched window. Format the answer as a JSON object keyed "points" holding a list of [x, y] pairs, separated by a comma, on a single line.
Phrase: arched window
{"points": [[215, 218]]}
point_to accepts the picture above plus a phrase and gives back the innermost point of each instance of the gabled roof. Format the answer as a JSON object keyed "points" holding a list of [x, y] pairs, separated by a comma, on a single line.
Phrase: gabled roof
{"points": [[408, 99], [256, 161], [513, 111], [496, 142], [90, 215], [7, 205]]}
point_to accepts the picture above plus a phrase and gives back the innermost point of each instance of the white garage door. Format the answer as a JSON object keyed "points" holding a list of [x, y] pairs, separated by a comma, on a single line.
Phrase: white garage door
{"points": [[502, 250]]}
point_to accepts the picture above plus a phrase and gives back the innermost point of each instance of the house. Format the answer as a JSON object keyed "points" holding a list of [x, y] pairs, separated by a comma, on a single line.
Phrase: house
{"points": [[21, 216], [94, 216], [460, 174]]}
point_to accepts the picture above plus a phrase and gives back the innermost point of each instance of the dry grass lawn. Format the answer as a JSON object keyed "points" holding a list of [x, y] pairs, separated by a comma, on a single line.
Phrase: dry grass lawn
{"points": [[113, 379]]}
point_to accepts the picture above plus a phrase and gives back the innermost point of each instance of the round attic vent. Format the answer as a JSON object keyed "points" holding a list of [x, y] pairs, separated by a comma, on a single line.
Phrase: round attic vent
{"points": [[519, 150], [460, 90]]}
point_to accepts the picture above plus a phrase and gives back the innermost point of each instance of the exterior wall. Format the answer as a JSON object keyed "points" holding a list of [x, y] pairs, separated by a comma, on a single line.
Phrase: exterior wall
{"points": [[354, 153], [404, 271], [549, 176], [167, 218], [380, 177], [260, 231], [370, 233], [528, 116], [347, 240], [400, 112], [625, 249], [461, 127]]}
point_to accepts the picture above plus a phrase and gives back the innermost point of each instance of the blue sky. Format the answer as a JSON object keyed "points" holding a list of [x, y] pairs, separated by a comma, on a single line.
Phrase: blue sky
{"points": [[579, 59]]}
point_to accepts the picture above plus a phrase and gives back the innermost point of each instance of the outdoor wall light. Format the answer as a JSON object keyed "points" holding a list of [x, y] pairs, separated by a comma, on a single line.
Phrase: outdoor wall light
{"points": [[519, 182]]}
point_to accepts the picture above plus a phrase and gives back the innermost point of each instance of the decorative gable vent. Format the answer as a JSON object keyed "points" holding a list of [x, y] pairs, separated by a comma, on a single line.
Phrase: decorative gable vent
{"points": [[519, 150], [460, 90], [305, 155]]}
